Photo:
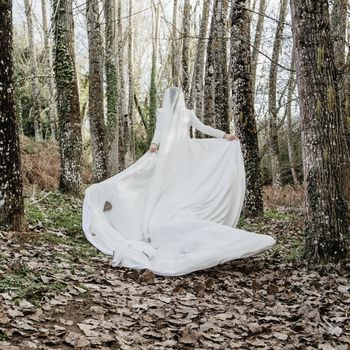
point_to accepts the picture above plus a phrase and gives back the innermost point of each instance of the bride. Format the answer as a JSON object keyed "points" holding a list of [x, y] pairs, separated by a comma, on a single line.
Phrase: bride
{"points": [[174, 210]]}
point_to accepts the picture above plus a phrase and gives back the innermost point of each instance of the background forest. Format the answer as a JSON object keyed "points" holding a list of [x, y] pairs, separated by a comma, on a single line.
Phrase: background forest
{"points": [[80, 82], [144, 47]]}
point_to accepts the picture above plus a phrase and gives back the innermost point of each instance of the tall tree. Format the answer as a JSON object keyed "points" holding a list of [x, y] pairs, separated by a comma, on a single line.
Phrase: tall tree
{"points": [[67, 97], [186, 25], [131, 145], [216, 93], [153, 87], [11, 187], [96, 109], [197, 97], [325, 153], [48, 72], [122, 109], [36, 108], [291, 88], [243, 104], [273, 127], [175, 48], [112, 85], [338, 28], [257, 39]]}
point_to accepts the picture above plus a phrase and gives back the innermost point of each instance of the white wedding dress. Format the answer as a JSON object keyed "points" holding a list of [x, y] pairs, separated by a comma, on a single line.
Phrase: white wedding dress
{"points": [[174, 211]]}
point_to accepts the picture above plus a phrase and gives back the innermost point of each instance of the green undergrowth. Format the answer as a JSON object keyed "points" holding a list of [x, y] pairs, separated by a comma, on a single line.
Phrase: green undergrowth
{"points": [[26, 283], [55, 211], [286, 227], [58, 219]]}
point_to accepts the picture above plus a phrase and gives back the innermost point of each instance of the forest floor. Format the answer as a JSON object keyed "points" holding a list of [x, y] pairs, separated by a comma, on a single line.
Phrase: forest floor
{"points": [[58, 292]]}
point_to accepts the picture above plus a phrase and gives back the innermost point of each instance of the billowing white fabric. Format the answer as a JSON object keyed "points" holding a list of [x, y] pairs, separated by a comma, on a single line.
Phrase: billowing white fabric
{"points": [[174, 211]]}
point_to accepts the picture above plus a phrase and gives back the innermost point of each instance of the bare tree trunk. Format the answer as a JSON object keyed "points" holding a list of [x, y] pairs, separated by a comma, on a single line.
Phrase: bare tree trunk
{"points": [[186, 50], [221, 87], [67, 97], [175, 48], [197, 88], [209, 80], [338, 30], [131, 121], [11, 186], [339, 17], [257, 40], [291, 88], [48, 71], [243, 105], [112, 84], [216, 93], [346, 117], [325, 153], [34, 72], [96, 109], [121, 99], [153, 87], [197, 96], [273, 129]]}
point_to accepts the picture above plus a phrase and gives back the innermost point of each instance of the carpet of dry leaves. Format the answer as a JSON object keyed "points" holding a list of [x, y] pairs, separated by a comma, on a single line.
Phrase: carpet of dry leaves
{"points": [[57, 292]]}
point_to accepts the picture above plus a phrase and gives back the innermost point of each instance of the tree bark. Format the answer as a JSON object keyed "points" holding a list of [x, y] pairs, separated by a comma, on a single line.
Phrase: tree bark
{"points": [[273, 129], [186, 23], [257, 40], [96, 109], [67, 97], [243, 105], [325, 153], [48, 71], [291, 88], [131, 121], [216, 92], [175, 48], [11, 186], [153, 87], [197, 97], [38, 132], [121, 89], [338, 28], [112, 85]]}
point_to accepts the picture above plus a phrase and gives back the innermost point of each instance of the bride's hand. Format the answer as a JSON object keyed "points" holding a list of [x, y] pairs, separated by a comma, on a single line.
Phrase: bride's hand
{"points": [[230, 137], [153, 147]]}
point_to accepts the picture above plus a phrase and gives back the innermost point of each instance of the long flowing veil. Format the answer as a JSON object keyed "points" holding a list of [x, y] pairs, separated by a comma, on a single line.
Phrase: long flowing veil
{"points": [[174, 134]]}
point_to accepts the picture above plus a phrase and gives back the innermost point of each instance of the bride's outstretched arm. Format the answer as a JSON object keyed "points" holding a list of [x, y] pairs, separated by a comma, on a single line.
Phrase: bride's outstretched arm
{"points": [[205, 129]]}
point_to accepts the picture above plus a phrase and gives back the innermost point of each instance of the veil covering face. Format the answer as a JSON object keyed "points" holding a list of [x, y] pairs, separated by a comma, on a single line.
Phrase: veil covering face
{"points": [[169, 167]]}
